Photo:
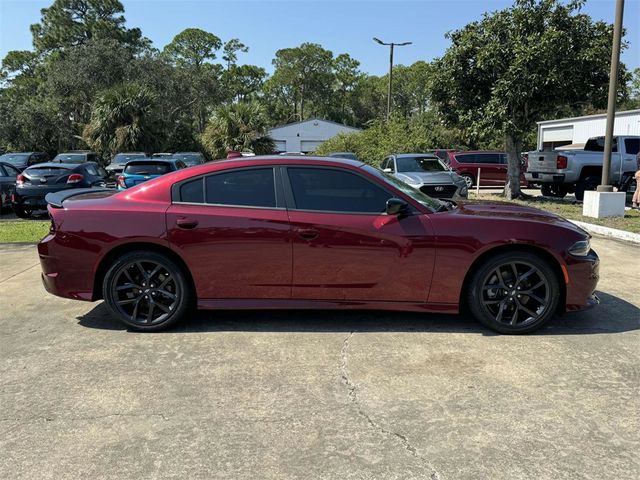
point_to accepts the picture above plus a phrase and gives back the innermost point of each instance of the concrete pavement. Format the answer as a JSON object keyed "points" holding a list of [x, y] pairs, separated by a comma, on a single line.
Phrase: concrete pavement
{"points": [[317, 394]]}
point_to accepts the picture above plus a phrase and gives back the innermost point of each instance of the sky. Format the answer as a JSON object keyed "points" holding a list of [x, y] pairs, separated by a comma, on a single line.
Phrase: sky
{"points": [[342, 26]]}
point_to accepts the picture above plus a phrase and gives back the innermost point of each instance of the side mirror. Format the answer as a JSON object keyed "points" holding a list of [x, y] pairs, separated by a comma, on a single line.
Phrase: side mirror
{"points": [[396, 206], [387, 170]]}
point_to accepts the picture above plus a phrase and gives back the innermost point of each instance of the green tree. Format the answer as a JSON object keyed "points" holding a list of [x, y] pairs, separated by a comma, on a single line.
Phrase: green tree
{"points": [[303, 74], [532, 61], [347, 76], [239, 126], [69, 23], [243, 82], [123, 118], [231, 49], [193, 47]]}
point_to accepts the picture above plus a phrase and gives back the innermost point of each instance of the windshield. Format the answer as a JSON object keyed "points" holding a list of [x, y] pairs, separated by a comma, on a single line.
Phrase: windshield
{"points": [[14, 158], [70, 158], [125, 157], [419, 164], [147, 168], [189, 158], [431, 203]]}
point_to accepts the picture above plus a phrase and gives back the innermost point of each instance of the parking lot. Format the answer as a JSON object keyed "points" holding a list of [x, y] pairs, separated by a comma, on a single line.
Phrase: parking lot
{"points": [[317, 395]]}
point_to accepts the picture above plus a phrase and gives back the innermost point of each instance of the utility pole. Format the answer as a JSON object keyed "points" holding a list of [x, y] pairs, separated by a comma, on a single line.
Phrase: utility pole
{"points": [[391, 45], [613, 90]]}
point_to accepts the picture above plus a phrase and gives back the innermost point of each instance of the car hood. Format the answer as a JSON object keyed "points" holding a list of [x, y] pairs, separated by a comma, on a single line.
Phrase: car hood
{"points": [[426, 178], [510, 211]]}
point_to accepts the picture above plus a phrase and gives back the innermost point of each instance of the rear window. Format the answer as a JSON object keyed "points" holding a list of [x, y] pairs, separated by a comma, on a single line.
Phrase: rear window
{"points": [[70, 158], [147, 168], [46, 171], [597, 145]]}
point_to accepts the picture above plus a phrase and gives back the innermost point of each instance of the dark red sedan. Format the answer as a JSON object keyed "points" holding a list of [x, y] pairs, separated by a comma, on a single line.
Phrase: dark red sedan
{"points": [[286, 232]]}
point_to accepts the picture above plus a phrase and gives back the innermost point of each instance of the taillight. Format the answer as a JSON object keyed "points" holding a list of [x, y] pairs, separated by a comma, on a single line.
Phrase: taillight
{"points": [[20, 179], [121, 181], [562, 162], [75, 178]]}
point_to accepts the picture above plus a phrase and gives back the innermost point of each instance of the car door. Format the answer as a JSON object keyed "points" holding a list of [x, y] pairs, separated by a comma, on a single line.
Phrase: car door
{"points": [[232, 229], [346, 248], [8, 176], [492, 172]]}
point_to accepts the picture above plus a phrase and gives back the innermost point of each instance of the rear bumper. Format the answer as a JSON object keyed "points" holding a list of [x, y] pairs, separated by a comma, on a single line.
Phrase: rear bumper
{"points": [[545, 177]]}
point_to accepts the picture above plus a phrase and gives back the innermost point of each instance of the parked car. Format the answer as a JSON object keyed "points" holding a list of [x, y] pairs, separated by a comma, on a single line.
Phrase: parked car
{"points": [[492, 165], [349, 155], [119, 160], [8, 174], [311, 232], [139, 171], [22, 160], [190, 158], [575, 171], [77, 156], [35, 182], [427, 173]]}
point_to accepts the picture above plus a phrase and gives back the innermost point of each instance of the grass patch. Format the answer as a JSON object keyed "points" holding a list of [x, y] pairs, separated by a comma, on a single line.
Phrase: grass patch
{"points": [[570, 210], [23, 231]]}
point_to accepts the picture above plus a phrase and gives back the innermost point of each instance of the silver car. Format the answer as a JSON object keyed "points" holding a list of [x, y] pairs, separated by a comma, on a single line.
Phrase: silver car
{"points": [[426, 172]]}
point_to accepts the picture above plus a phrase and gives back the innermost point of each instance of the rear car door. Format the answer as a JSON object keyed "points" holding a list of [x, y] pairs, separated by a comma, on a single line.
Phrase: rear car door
{"points": [[232, 229], [345, 247]]}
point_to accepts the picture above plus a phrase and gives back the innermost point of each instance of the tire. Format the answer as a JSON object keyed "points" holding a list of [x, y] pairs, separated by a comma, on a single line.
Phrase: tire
{"points": [[469, 179], [22, 212], [531, 305], [553, 190], [147, 291], [587, 183]]}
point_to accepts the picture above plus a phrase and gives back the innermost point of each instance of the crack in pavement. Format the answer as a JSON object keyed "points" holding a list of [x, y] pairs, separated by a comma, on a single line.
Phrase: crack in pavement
{"points": [[19, 273], [352, 390]]}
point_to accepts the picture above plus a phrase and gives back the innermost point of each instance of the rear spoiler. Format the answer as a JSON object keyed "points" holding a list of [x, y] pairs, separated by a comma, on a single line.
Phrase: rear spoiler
{"points": [[55, 199]]}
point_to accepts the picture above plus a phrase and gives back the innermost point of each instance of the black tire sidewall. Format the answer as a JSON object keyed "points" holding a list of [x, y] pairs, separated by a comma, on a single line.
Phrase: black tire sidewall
{"points": [[468, 176], [475, 291], [184, 301], [584, 183]]}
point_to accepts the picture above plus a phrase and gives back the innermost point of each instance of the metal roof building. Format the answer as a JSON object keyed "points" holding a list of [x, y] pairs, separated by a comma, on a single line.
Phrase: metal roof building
{"points": [[307, 135], [576, 131]]}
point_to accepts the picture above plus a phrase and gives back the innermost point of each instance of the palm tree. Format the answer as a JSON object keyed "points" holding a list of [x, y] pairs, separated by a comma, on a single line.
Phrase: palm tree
{"points": [[123, 118], [240, 127]]}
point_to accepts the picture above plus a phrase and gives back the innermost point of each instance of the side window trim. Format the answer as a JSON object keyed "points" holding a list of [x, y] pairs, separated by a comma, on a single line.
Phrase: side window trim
{"points": [[280, 202], [291, 205]]}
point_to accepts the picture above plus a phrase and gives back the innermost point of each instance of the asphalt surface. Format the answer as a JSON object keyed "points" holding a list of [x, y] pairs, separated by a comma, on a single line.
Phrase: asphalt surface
{"points": [[345, 395]]}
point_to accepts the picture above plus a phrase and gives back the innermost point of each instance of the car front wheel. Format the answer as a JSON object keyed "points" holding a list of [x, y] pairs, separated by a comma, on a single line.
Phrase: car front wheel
{"points": [[514, 292], [147, 291], [469, 180]]}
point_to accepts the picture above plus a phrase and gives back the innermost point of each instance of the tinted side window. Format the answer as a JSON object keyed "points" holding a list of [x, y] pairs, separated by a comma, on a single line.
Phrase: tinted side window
{"points": [[487, 158], [632, 145], [92, 170], [248, 188], [3, 173], [466, 158], [335, 191], [193, 191]]}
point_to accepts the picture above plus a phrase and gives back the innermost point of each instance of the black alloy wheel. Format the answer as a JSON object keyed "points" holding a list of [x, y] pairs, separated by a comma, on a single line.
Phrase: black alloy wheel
{"points": [[147, 291], [514, 293]]}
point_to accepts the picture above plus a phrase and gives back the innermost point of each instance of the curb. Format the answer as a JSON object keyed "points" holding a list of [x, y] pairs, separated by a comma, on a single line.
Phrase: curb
{"points": [[609, 232]]}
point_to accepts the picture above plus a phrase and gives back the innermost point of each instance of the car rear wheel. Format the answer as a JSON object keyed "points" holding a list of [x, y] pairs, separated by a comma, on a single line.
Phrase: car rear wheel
{"points": [[514, 292], [22, 212], [147, 291], [468, 179], [553, 190]]}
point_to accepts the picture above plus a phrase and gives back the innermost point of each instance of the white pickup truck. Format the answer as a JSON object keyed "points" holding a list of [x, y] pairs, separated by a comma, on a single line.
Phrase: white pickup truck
{"points": [[573, 171]]}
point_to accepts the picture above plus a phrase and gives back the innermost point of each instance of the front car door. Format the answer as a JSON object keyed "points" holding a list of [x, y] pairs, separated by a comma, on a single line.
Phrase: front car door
{"points": [[8, 176], [345, 247], [232, 230]]}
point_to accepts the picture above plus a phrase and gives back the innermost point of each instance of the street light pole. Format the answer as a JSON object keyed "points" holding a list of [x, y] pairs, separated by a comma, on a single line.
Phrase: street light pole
{"points": [[611, 107], [391, 45]]}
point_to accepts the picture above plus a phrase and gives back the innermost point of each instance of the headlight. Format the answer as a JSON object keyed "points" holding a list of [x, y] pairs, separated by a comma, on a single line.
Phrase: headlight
{"points": [[581, 248]]}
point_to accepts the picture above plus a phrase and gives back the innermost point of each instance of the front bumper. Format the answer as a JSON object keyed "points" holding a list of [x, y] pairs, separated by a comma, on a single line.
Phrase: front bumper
{"points": [[583, 274]]}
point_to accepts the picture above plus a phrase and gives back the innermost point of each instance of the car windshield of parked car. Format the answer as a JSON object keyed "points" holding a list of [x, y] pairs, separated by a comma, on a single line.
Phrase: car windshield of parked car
{"points": [[419, 164], [70, 158], [432, 204], [122, 158], [147, 168], [189, 159], [14, 158]]}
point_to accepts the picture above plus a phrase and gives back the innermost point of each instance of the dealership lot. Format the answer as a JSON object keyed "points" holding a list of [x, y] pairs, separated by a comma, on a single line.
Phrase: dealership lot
{"points": [[317, 394]]}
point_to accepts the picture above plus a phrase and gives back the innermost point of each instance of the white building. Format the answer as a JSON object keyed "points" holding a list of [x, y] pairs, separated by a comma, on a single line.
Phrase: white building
{"points": [[576, 131], [307, 135]]}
